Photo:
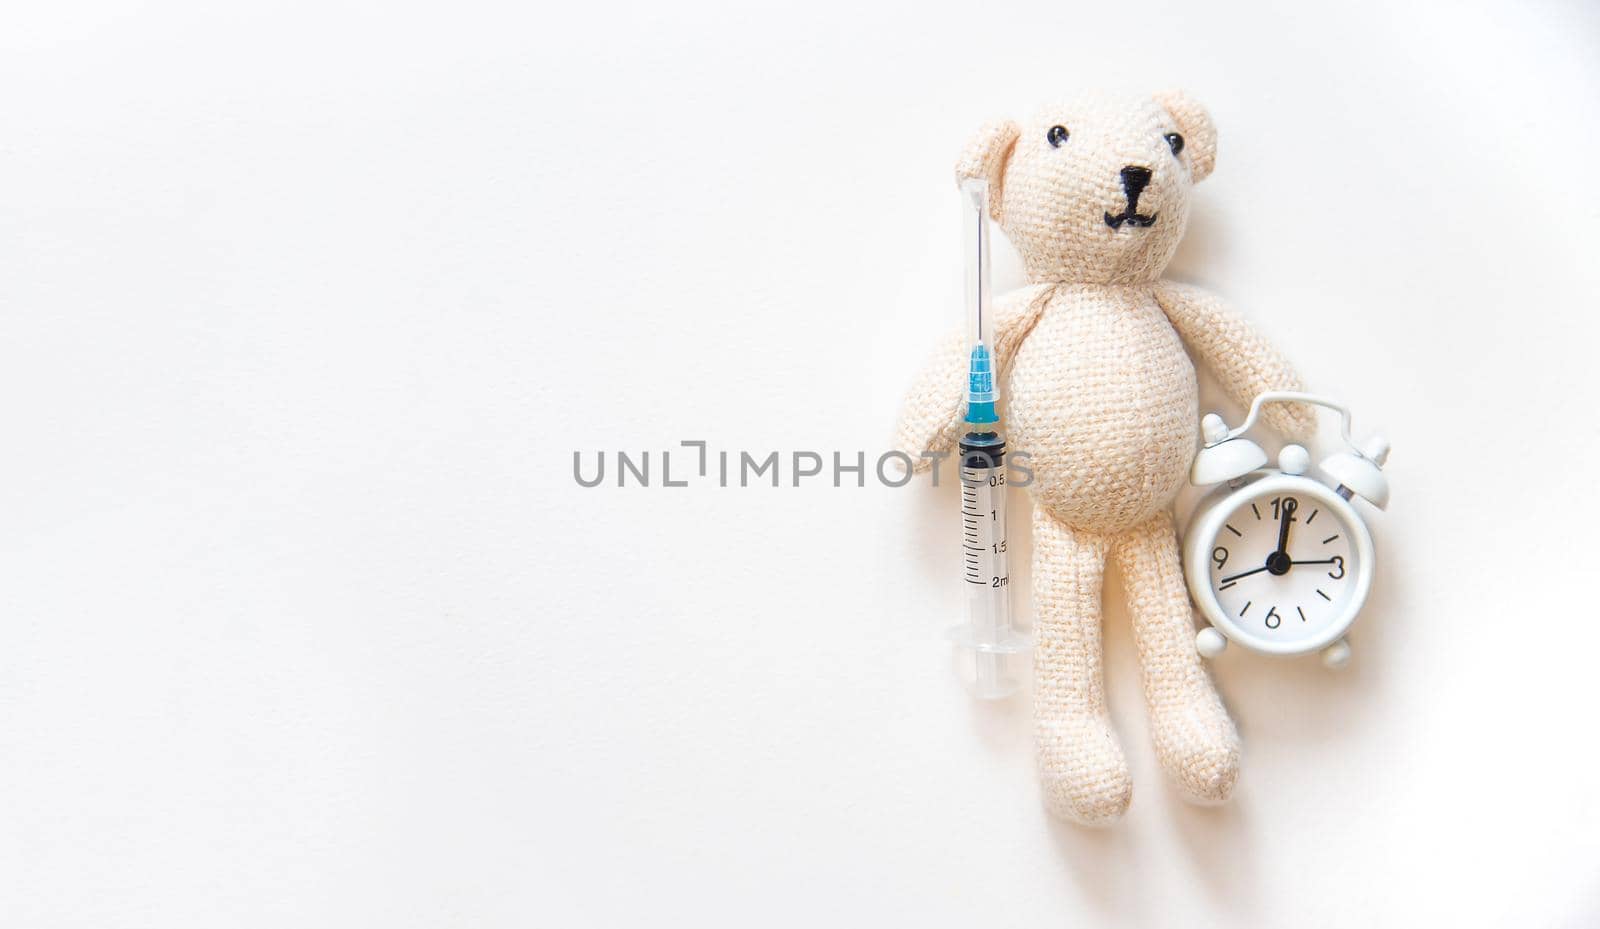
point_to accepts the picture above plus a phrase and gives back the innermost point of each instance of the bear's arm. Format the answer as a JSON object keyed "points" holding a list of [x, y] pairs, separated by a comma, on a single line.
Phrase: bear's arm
{"points": [[931, 417], [1240, 358]]}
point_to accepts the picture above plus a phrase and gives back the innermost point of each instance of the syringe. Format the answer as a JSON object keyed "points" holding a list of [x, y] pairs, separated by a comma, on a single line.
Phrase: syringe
{"points": [[988, 635]]}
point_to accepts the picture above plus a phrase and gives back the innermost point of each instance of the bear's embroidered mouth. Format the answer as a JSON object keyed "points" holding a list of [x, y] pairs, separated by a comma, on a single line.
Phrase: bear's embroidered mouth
{"points": [[1130, 218]]}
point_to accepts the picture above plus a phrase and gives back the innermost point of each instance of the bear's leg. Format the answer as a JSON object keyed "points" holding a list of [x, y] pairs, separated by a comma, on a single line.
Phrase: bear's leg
{"points": [[1081, 767], [1195, 740]]}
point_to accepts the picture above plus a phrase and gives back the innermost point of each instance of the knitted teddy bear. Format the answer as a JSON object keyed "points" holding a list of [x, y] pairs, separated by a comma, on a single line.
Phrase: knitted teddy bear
{"points": [[1094, 193]]}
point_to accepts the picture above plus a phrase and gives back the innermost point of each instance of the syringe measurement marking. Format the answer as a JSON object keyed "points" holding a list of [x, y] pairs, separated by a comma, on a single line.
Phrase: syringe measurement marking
{"points": [[972, 535]]}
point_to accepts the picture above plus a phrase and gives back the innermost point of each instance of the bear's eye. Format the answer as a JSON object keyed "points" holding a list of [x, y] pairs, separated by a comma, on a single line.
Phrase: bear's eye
{"points": [[1176, 141], [1057, 135]]}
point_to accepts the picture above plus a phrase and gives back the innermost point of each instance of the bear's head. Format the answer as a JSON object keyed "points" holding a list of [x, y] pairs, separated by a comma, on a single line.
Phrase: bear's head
{"points": [[1095, 190]]}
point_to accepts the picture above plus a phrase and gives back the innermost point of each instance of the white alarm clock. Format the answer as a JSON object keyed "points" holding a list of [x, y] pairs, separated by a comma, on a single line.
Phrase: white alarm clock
{"points": [[1276, 560]]}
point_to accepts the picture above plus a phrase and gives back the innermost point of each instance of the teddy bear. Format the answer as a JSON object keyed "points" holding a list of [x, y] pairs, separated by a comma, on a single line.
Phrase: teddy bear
{"points": [[1094, 356]]}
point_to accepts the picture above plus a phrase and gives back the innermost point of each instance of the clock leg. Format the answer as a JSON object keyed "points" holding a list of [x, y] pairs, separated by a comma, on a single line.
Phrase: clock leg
{"points": [[1210, 643], [1081, 766], [1196, 742], [1336, 656]]}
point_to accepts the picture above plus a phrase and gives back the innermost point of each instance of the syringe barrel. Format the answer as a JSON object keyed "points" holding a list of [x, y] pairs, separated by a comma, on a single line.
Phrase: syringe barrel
{"points": [[986, 561]]}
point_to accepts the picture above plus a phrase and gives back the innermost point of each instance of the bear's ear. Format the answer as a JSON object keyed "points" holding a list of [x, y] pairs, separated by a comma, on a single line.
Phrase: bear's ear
{"points": [[986, 156], [1199, 132]]}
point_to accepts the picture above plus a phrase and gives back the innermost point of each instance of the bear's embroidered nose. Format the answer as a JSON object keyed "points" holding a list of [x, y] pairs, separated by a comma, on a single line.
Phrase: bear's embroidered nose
{"points": [[1134, 181]]}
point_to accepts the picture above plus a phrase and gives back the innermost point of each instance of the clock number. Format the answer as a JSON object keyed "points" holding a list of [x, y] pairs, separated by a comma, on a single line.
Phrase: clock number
{"points": [[1338, 563], [1273, 619], [1219, 555], [1279, 502]]}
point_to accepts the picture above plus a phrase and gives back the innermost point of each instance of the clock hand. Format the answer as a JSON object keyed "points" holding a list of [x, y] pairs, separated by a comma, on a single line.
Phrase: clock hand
{"points": [[1245, 574], [1318, 561], [1278, 561], [1289, 506]]}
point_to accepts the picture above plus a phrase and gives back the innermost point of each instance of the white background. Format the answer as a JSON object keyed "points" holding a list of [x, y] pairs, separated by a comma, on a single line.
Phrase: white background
{"points": [[305, 622]]}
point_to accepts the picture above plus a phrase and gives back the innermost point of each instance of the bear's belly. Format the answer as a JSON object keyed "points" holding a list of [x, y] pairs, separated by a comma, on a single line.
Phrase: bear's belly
{"points": [[1103, 401]]}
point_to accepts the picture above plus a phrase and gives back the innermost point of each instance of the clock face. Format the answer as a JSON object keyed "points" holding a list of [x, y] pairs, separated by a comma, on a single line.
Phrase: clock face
{"points": [[1284, 567]]}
